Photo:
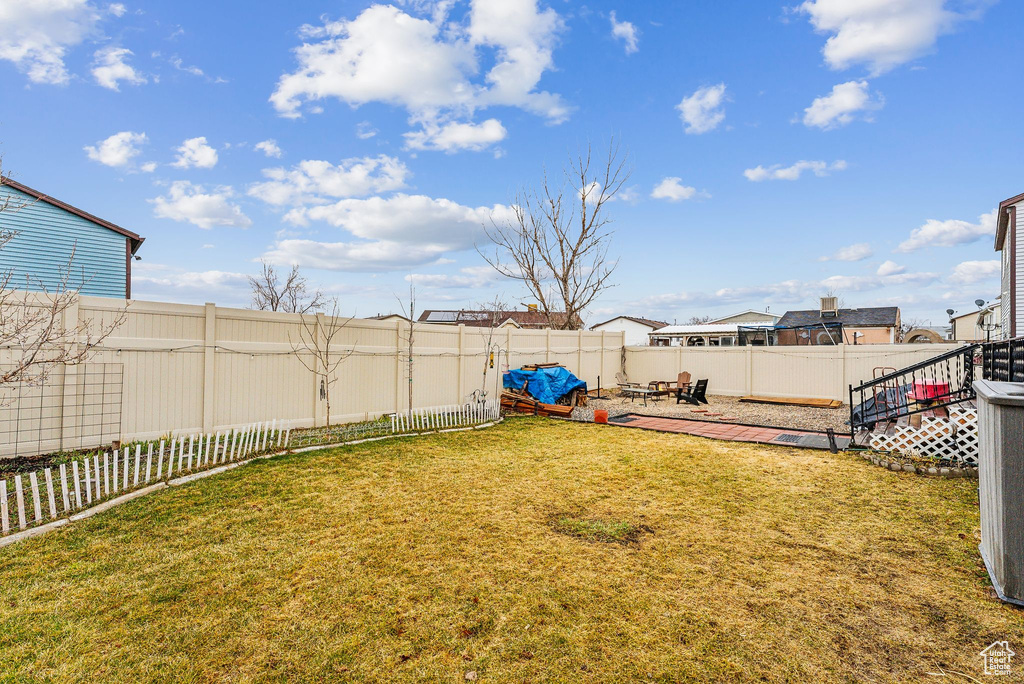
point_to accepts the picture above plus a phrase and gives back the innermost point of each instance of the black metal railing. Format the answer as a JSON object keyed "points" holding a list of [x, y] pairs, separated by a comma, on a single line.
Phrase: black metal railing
{"points": [[932, 384], [1003, 360]]}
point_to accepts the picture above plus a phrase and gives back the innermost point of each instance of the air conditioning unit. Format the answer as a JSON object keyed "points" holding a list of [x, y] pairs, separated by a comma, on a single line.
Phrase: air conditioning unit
{"points": [[829, 307]]}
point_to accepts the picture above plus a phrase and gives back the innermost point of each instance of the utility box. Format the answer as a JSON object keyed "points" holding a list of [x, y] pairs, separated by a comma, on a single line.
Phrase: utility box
{"points": [[1001, 485]]}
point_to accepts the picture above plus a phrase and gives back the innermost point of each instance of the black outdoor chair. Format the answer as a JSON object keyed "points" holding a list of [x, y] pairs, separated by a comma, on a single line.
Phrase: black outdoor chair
{"points": [[694, 395]]}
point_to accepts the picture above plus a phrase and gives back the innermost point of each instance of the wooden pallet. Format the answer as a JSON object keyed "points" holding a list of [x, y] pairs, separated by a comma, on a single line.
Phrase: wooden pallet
{"points": [[794, 401]]}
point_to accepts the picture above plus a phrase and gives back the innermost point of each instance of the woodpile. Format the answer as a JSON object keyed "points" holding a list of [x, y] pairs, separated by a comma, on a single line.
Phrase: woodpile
{"points": [[521, 401], [524, 403]]}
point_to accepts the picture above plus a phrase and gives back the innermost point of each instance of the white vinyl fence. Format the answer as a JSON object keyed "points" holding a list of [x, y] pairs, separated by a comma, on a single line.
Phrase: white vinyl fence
{"points": [[804, 372], [209, 369]]}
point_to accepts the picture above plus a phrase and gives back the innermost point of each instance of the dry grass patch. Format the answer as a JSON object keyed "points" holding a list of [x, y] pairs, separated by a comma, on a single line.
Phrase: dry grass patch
{"points": [[423, 559]]}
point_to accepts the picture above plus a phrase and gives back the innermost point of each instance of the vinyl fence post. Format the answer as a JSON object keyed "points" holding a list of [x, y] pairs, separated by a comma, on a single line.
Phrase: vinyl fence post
{"points": [[209, 375]]}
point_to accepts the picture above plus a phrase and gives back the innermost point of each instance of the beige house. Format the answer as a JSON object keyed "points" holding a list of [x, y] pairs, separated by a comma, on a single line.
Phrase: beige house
{"points": [[1010, 241], [750, 317], [978, 326], [867, 325]]}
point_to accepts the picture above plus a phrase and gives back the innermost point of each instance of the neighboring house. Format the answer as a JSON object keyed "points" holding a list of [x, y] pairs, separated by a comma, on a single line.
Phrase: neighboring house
{"points": [[721, 332], [869, 325], [1010, 241], [388, 317], [47, 232], [978, 326], [635, 329], [696, 335], [531, 319], [750, 317]]}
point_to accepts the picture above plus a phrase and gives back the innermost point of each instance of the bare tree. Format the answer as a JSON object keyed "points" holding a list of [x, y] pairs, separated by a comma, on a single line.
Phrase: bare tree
{"points": [[698, 320], [39, 328], [410, 337], [292, 295], [317, 349], [556, 241], [494, 312]]}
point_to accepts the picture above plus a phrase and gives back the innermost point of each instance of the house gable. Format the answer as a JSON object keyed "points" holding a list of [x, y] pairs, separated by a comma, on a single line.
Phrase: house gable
{"points": [[48, 232]]}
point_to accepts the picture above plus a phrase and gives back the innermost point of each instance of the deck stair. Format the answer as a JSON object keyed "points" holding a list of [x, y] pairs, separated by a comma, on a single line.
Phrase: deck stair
{"points": [[907, 396]]}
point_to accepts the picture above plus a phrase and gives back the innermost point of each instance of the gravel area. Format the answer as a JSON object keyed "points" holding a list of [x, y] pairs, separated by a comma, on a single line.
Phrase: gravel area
{"points": [[775, 415]]}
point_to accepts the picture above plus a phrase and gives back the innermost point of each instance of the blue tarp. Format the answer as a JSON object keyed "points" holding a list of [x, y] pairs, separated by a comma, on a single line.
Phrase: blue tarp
{"points": [[546, 385]]}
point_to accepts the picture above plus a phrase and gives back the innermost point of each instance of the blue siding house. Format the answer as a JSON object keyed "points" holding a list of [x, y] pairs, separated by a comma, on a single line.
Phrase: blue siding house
{"points": [[47, 230]]}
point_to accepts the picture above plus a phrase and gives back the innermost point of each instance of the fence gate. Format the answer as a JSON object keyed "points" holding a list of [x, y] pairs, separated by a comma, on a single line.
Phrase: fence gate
{"points": [[75, 407]]}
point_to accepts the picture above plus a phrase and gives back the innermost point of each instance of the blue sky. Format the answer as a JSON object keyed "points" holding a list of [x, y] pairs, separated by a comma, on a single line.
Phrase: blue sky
{"points": [[777, 152]]}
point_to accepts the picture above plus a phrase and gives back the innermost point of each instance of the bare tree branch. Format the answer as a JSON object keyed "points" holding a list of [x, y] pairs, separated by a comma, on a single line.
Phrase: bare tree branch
{"points": [[316, 348], [556, 243], [40, 328], [290, 296]]}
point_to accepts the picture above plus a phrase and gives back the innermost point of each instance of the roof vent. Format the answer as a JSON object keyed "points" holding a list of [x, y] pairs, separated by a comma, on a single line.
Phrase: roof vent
{"points": [[829, 307]]}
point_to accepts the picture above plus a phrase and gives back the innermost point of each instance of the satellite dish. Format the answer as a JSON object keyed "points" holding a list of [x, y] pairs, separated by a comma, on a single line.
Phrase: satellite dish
{"points": [[950, 312], [979, 302]]}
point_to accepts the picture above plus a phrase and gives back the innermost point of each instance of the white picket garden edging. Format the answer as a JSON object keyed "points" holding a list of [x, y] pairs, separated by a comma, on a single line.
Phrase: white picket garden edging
{"points": [[92, 485]]}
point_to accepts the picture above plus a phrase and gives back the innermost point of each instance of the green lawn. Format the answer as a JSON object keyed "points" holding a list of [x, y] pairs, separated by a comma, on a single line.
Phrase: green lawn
{"points": [[537, 550]]}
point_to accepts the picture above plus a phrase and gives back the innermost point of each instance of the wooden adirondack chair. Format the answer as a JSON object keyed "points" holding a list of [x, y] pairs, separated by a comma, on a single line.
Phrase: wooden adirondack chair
{"points": [[683, 382], [696, 395], [624, 382]]}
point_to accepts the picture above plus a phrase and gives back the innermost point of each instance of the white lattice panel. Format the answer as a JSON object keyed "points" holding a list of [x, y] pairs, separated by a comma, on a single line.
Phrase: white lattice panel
{"points": [[935, 438]]}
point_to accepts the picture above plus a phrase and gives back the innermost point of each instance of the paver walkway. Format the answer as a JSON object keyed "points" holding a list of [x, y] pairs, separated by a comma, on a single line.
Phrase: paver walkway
{"points": [[733, 432]]}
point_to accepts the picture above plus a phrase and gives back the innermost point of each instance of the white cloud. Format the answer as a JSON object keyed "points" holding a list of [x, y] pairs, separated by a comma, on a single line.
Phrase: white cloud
{"points": [[365, 130], [110, 68], [117, 9], [160, 282], [967, 272], [194, 152], [778, 172], [387, 55], [702, 111], [470, 277], [949, 233], [624, 31], [839, 107], [453, 137], [881, 33], [270, 148], [117, 150], [180, 65], [36, 35], [673, 190], [890, 268], [148, 167], [394, 233], [314, 181], [857, 252], [186, 202], [787, 291]]}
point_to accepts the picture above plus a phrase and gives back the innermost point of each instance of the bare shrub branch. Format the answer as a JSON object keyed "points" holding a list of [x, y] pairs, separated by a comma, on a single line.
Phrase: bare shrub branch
{"points": [[316, 348], [40, 328]]}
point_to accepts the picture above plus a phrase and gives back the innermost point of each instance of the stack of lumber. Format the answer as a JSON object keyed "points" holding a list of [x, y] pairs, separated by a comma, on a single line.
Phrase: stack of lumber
{"points": [[535, 366], [523, 403]]}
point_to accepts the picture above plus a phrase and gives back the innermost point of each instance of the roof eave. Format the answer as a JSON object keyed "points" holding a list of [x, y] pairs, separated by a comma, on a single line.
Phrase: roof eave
{"points": [[1003, 219], [135, 238]]}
